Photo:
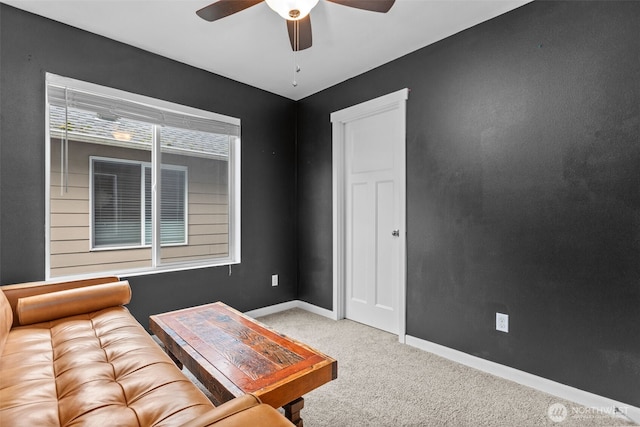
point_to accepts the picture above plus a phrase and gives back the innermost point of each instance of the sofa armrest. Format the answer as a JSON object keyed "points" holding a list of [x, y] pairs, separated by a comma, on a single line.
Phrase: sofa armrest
{"points": [[243, 411], [71, 302], [20, 290]]}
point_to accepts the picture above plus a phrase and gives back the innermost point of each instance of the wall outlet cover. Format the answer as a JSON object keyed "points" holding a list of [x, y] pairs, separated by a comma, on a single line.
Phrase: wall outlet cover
{"points": [[274, 280], [502, 322]]}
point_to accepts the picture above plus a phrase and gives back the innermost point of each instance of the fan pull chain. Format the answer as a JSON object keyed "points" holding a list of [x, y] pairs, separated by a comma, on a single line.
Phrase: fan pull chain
{"points": [[296, 46]]}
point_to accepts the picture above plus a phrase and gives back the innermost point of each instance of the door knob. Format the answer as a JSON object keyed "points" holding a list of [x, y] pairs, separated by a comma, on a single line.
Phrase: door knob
{"points": [[395, 233]]}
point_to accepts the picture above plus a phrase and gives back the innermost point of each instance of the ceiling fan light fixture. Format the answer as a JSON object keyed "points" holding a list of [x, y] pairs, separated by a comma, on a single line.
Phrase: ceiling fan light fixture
{"points": [[292, 10]]}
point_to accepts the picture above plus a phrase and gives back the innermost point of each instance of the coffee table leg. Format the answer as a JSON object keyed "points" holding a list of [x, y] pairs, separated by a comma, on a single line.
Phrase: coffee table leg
{"points": [[175, 359], [292, 411]]}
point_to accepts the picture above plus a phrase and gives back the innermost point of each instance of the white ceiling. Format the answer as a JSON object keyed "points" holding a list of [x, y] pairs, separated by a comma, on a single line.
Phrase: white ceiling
{"points": [[253, 47]]}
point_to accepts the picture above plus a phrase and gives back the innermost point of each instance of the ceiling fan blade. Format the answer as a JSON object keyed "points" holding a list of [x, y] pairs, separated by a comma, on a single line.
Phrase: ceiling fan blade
{"points": [[300, 33], [222, 8], [381, 6]]}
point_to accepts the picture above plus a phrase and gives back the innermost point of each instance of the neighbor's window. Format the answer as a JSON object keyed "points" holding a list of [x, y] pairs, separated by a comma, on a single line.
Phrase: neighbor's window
{"points": [[137, 184], [121, 206]]}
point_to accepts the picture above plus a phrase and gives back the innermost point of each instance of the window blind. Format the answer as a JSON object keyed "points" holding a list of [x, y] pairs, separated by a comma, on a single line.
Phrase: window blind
{"points": [[116, 204], [112, 108], [172, 206]]}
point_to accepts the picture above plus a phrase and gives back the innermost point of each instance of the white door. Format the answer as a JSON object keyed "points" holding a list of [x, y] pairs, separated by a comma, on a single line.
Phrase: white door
{"points": [[373, 142]]}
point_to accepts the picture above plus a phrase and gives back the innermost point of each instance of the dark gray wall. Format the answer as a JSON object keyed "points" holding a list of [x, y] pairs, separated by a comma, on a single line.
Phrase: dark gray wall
{"points": [[31, 46], [523, 191], [523, 182]]}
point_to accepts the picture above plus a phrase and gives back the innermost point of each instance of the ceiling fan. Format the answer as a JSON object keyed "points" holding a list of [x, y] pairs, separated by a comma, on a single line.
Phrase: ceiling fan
{"points": [[296, 12]]}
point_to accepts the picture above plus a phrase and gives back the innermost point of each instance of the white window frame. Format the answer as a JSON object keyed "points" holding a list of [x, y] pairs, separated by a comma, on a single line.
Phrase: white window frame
{"points": [[143, 165], [234, 166]]}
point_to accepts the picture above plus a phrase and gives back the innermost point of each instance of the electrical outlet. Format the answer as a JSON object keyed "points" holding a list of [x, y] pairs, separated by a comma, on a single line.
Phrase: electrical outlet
{"points": [[274, 280], [502, 322]]}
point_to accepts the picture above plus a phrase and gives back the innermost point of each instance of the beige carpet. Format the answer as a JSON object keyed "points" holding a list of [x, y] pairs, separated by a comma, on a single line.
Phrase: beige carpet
{"points": [[384, 383]]}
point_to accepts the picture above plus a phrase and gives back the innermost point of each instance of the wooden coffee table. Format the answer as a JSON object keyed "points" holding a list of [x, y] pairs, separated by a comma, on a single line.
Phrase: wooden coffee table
{"points": [[232, 354]]}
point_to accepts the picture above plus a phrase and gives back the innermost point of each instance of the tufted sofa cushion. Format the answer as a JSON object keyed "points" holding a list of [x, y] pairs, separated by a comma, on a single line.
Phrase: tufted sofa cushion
{"points": [[100, 368]]}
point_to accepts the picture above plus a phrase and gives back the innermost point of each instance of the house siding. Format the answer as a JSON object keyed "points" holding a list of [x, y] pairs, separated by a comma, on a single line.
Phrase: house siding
{"points": [[70, 244]]}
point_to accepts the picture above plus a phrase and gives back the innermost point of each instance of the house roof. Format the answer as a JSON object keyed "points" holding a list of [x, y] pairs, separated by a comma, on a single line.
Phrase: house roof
{"points": [[88, 126]]}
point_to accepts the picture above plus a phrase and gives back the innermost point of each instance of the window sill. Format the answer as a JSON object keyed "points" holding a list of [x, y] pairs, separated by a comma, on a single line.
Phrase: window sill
{"points": [[169, 268]]}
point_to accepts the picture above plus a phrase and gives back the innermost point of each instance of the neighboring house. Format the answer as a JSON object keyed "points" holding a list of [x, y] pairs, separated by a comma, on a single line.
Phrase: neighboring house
{"points": [[101, 193]]}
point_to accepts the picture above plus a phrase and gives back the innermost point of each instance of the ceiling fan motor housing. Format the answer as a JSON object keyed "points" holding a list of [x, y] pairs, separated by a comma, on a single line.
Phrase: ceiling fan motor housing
{"points": [[296, 13], [292, 10]]}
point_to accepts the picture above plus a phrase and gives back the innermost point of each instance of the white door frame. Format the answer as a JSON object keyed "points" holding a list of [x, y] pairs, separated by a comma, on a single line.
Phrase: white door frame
{"points": [[395, 100]]}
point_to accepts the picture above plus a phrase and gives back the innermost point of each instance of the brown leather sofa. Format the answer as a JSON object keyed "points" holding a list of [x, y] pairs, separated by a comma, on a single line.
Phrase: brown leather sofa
{"points": [[72, 355]]}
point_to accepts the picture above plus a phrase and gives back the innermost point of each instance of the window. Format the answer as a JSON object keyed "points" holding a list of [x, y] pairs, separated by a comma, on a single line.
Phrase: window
{"points": [[121, 206], [136, 184]]}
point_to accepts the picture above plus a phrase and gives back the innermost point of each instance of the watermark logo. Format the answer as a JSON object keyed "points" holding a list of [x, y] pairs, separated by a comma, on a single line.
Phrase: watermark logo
{"points": [[557, 412]]}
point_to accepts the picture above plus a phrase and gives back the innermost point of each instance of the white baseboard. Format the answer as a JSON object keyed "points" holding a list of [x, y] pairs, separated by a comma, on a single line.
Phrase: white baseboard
{"points": [[553, 388], [272, 309], [316, 310], [277, 308], [544, 385]]}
